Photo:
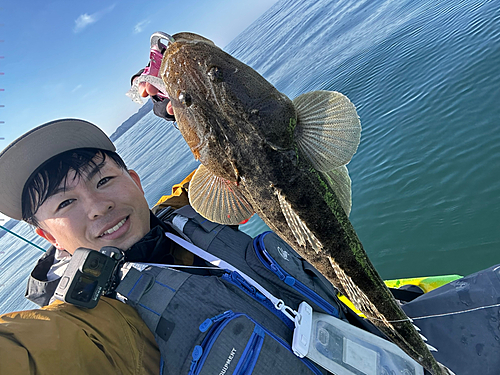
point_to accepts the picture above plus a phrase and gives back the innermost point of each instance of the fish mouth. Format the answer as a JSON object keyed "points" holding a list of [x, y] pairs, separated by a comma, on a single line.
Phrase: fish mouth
{"points": [[178, 58], [191, 37], [184, 74]]}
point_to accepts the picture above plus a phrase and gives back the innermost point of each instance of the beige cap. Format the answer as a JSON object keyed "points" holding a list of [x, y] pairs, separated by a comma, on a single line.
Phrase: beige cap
{"points": [[23, 156]]}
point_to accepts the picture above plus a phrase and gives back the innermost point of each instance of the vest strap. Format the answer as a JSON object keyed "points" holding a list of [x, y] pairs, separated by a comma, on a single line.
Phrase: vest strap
{"points": [[151, 291], [190, 213]]}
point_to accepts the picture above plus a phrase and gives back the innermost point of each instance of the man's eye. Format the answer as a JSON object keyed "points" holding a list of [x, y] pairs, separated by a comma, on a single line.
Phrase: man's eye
{"points": [[66, 203], [103, 181]]}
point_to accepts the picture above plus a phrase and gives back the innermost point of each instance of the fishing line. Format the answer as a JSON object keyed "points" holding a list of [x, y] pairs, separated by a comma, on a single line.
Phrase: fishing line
{"points": [[161, 265], [22, 238], [438, 315]]}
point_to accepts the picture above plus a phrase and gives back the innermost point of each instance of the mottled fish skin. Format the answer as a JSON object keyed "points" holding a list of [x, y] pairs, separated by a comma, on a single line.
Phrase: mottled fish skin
{"points": [[242, 129]]}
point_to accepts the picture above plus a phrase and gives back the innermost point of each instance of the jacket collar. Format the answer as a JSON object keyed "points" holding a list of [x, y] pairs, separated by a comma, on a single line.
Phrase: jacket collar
{"points": [[154, 247]]}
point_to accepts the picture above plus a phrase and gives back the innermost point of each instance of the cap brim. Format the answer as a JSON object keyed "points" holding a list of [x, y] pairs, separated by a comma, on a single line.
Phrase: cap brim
{"points": [[23, 156]]}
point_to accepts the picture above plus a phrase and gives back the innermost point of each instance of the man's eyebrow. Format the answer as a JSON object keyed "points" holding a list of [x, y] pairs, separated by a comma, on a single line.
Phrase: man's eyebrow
{"points": [[95, 170], [63, 188]]}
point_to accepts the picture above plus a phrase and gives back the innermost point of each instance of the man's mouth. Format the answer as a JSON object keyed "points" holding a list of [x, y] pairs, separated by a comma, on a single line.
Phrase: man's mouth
{"points": [[115, 228]]}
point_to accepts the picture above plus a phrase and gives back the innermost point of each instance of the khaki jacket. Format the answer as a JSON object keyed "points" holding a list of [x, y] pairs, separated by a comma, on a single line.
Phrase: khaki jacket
{"points": [[64, 339]]}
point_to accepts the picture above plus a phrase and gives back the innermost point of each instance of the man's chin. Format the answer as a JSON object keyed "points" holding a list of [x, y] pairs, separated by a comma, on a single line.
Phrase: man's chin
{"points": [[124, 245]]}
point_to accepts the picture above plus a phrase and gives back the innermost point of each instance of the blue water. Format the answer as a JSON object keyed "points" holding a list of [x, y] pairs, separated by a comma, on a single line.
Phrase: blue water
{"points": [[424, 76]]}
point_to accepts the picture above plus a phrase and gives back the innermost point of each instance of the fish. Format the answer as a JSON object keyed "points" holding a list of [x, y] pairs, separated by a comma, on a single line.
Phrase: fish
{"points": [[285, 160]]}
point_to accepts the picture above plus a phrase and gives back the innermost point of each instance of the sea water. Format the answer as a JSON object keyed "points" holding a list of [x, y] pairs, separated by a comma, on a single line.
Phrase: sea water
{"points": [[424, 76]]}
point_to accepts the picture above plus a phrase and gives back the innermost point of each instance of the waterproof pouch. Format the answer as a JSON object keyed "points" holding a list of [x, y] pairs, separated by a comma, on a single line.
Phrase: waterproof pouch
{"points": [[344, 349]]}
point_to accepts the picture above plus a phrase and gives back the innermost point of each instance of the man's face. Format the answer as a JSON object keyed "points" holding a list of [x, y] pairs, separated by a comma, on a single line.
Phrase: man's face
{"points": [[107, 209]]}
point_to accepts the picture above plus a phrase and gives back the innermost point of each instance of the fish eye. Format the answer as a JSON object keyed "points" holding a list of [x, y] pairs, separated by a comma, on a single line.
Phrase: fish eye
{"points": [[185, 98], [215, 74]]}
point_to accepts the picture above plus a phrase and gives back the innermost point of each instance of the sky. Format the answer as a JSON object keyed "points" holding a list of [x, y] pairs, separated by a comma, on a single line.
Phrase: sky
{"points": [[75, 58]]}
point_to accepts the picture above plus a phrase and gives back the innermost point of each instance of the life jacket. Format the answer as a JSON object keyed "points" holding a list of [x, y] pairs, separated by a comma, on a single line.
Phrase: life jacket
{"points": [[219, 323]]}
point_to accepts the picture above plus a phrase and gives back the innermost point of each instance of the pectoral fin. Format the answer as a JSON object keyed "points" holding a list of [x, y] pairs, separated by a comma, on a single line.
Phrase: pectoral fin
{"points": [[217, 199], [328, 128]]}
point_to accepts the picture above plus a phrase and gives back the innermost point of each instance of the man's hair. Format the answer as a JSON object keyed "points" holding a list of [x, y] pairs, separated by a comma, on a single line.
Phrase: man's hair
{"points": [[44, 182]]}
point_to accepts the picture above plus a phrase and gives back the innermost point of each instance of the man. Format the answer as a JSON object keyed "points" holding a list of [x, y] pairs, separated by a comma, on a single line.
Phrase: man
{"points": [[65, 179]]}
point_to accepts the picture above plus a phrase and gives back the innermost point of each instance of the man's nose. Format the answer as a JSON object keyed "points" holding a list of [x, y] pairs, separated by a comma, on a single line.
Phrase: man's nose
{"points": [[99, 206]]}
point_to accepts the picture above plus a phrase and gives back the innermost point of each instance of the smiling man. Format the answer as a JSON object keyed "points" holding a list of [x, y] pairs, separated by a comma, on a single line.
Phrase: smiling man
{"points": [[66, 179]]}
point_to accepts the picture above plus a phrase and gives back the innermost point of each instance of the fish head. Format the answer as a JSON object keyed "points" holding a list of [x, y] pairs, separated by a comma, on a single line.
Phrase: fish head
{"points": [[221, 104]]}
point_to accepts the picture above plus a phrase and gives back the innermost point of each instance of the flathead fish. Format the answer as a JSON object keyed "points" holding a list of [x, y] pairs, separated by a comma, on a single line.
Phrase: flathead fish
{"points": [[285, 160]]}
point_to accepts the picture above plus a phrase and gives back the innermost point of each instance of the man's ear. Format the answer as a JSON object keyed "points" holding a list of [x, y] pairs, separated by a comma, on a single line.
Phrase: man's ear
{"points": [[136, 178], [48, 237]]}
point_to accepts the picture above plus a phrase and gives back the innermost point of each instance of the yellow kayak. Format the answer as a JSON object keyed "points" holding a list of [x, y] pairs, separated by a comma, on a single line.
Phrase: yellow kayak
{"points": [[425, 283]]}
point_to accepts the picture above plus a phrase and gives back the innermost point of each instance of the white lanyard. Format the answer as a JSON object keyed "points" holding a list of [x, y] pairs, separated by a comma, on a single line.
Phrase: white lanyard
{"points": [[293, 315]]}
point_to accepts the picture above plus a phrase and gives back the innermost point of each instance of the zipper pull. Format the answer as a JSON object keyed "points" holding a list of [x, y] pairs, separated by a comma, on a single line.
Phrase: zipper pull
{"points": [[289, 280], [197, 353], [208, 323], [237, 278], [271, 262], [277, 271], [265, 254], [260, 296]]}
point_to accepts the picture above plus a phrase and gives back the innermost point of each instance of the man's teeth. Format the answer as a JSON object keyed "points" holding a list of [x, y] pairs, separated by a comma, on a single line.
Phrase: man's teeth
{"points": [[115, 228]]}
